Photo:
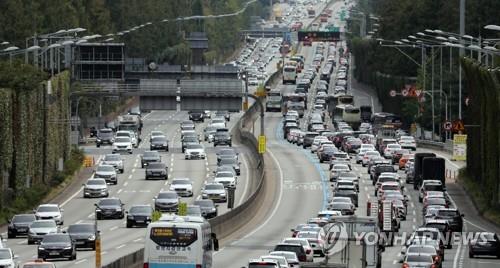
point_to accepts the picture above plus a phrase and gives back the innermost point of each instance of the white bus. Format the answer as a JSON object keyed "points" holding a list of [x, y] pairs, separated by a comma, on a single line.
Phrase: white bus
{"points": [[349, 114], [179, 241], [289, 74]]}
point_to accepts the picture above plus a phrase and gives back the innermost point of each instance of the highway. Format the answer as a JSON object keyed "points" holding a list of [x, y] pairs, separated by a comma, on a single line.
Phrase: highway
{"points": [[133, 189]]}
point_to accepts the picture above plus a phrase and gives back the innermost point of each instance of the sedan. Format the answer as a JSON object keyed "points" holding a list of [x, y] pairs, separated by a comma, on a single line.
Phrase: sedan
{"points": [[19, 225], [182, 186], [418, 260], [214, 191], [139, 215], [485, 244], [208, 208], [150, 157], [83, 234], [159, 143], [167, 201], [111, 208], [39, 228], [57, 246], [157, 170], [95, 188], [195, 151], [107, 172]]}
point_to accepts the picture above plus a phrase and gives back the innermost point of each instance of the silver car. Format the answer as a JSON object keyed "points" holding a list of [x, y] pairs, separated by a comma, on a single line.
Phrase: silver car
{"points": [[107, 172], [214, 191], [167, 201], [95, 188], [114, 160], [39, 228]]}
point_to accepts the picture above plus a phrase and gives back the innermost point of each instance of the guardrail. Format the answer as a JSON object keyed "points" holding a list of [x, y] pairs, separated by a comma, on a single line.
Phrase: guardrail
{"points": [[442, 146]]}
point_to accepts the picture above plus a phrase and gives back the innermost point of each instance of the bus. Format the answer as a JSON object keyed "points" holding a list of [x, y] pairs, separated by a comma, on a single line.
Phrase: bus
{"points": [[349, 114], [179, 241], [380, 120], [290, 73], [300, 62], [274, 101]]}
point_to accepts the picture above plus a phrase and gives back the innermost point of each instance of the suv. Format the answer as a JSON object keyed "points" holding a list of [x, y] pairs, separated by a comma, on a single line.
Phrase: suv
{"points": [[222, 138], [453, 216], [104, 136], [429, 185], [196, 116]]}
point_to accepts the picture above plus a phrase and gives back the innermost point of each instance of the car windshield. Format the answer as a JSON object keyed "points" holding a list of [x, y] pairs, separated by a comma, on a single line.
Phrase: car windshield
{"points": [[150, 154], [123, 134], [56, 239], [419, 258], [204, 203], [190, 139], [43, 224], [81, 228], [39, 265], [194, 146], [307, 235], [105, 168], [439, 226], [169, 195], [5, 254], [156, 166], [23, 218], [224, 175], [425, 250], [214, 187], [96, 182], [109, 202], [297, 241], [227, 161], [112, 157], [180, 181], [433, 187], [48, 209], [159, 139], [141, 209], [122, 140]]}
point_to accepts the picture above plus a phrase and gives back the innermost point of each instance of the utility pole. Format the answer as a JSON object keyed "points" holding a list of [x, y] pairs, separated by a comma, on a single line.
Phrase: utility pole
{"points": [[461, 51], [432, 94]]}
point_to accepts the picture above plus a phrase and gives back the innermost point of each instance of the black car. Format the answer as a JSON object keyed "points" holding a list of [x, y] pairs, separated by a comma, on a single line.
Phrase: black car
{"points": [[109, 208], [19, 225], [196, 116], [346, 192], [150, 157], [208, 208], [157, 170], [485, 244], [230, 162], [377, 170], [222, 138], [83, 234], [55, 246], [326, 154], [159, 143], [188, 140], [226, 115], [454, 218], [105, 136], [139, 215]]}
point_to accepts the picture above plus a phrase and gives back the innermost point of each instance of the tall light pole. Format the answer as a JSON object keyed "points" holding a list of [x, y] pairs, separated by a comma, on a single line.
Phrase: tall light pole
{"points": [[97, 240], [245, 103], [461, 51]]}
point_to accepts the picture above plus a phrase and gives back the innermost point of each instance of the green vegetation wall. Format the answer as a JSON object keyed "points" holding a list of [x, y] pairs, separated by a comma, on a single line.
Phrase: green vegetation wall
{"points": [[483, 141], [22, 135]]}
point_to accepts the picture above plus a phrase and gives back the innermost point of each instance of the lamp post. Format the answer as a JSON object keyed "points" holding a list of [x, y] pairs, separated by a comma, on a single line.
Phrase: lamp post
{"points": [[244, 75], [97, 240]]}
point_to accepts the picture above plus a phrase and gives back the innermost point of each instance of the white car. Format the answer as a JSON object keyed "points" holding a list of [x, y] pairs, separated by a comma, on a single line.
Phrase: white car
{"points": [[368, 156], [282, 262], [390, 149], [182, 186], [7, 258], [227, 178], [214, 191], [253, 81], [122, 144], [195, 151], [95, 188], [49, 212], [359, 156], [408, 142], [130, 134], [317, 142]]}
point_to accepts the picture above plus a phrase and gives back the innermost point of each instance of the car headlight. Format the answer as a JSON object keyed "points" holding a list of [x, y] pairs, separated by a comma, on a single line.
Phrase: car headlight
{"points": [[204, 194], [98, 210], [92, 238], [223, 194], [70, 247], [41, 248], [31, 232], [57, 216], [118, 209], [98, 140]]}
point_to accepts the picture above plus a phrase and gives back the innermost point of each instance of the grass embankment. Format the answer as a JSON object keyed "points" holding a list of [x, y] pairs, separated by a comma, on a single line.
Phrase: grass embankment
{"points": [[28, 198], [476, 193]]}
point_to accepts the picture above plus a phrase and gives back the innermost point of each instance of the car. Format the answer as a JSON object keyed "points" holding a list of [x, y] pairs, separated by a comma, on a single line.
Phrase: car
{"points": [[7, 258], [305, 244], [167, 201], [19, 225], [130, 134], [336, 170], [182, 186], [227, 178], [368, 156], [95, 188], [225, 114], [316, 240], [159, 143], [194, 151], [429, 185], [485, 244], [150, 157], [444, 228], [139, 215], [259, 263], [156, 133], [390, 149], [419, 260], [232, 163], [208, 208], [408, 142], [326, 153], [346, 208], [214, 191], [209, 132], [55, 246], [156, 170], [39, 228], [105, 136], [109, 208], [222, 138], [187, 126], [38, 263], [296, 248], [227, 153], [403, 160], [188, 140], [282, 262], [114, 160], [454, 218], [196, 116], [83, 234], [291, 257], [347, 192], [50, 212], [379, 169], [122, 144], [106, 172]]}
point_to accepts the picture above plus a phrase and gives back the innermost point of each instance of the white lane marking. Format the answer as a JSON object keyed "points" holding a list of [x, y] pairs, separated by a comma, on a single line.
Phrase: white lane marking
{"points": [[125, 184], [113, 228], [71, 197], [449, 161], [90, 215], [475, 225], [133, 170], [119, 191], [137, 240], [121, 246], [130, 176], [280, 196], [146, 116], [247, 181], [81, 261], [104, 252], [23, 242]]}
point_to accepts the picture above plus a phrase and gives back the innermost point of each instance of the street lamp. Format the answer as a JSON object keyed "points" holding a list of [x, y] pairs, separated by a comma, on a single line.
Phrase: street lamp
{"points": [[244, 75]]}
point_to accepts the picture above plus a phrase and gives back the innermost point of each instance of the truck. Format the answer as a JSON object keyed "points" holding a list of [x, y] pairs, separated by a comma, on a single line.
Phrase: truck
{"points": [[434, 168], [274, 101], [352, 241], [130, 122]]}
